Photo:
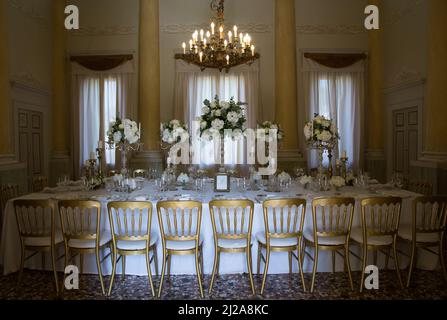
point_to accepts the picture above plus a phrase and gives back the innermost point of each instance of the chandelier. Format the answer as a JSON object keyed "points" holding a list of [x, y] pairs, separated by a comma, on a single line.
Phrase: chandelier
{"points": [[216, 48]]}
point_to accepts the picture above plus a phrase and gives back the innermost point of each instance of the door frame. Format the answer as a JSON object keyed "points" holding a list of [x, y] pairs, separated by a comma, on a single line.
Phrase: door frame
{"points": [[406, 96]]}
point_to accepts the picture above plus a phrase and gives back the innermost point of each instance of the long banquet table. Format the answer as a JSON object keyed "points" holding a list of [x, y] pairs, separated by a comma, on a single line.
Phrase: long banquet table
{"points": [[230, 263]]}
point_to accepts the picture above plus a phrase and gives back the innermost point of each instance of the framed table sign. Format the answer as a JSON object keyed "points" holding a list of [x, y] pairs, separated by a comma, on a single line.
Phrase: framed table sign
{"points": [[222, 182]]}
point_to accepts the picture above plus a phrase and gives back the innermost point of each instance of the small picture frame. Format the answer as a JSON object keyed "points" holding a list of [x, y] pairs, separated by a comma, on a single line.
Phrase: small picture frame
{"points": [[222, 182]]}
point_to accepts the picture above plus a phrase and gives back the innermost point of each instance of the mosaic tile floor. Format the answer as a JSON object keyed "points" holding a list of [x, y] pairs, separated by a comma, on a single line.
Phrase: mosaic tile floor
{"points": [[38, 285]]}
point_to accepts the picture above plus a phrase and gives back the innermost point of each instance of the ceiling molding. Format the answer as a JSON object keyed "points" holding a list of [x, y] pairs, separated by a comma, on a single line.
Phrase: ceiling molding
{"points": [[190, 28], [330, 29], [92, 31]]}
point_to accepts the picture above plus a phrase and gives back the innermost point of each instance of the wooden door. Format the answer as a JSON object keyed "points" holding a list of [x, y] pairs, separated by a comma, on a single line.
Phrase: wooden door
{"points": [[31, 142], [405, 139]]}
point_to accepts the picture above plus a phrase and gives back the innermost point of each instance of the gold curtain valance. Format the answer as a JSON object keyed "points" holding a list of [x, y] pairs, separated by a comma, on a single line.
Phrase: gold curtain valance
{"points": [[335, 60], [101, 63]]}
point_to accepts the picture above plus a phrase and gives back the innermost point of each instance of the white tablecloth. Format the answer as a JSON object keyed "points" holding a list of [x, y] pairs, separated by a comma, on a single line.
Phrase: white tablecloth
{"points": [[230, 263]]}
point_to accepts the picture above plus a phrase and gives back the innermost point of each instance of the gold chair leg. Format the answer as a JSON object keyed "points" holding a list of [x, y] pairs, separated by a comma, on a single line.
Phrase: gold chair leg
{"points": [[43, 260], [98, 263], [364, 259], [348, 267], [396, 263], [22, 266], [290, 262], [266, 268], [300, 265], [250, 272], [163, 270], [81, 263], [154, 252], [410, 267], [314, 269], [214, 269], [199, 276], [53, 264], [333, 261], [114, 256], [123, 268], [202, 271], [218, 264], [442, 259], [169, 266], [149, 272]]}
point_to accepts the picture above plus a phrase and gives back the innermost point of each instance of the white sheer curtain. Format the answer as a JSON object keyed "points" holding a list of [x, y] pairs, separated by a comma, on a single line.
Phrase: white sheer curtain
{"points": [[192, 87], [98, 98], [339, 95]]}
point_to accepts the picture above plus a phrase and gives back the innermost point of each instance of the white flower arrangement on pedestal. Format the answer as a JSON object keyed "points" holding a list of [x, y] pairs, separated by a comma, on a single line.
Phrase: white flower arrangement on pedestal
{"points": [[218, 116], [172, 131], [269, 125], [321, 132], [123, 131]]}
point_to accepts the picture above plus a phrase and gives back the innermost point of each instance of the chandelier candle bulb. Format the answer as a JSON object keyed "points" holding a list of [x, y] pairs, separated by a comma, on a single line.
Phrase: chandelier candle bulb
{"points": [[190, 44], [201, 34], [225, 43], [241, 38], [228, 59], [253, 51], [235, 31], [230, 37], [212, 27], [221, 31], [184, 47], [201, 56], [204, 42], [208, 34]]}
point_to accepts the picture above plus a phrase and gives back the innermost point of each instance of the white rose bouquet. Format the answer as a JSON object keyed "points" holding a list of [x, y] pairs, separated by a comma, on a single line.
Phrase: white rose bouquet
{"points": [[122, 131], [172, 131], [269, 125], [321, 131], [218, 116], [337, 182]]}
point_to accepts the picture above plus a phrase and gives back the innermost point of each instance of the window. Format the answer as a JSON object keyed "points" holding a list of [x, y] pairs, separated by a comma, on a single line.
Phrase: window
{"points": [[194, 86], [338, 95], [99, 97]]}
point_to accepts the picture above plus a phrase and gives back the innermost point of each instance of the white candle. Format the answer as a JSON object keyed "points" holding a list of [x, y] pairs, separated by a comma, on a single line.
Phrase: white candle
{"points": [[184, 48], [208, 34], [212, 27], [230, 37], [204, 42], [228, 59], [253, 51], [221, 30], [92, 155], [190, 44], [201, 56], [225, 43], [241, 38], [201, 35], [235, 31]]}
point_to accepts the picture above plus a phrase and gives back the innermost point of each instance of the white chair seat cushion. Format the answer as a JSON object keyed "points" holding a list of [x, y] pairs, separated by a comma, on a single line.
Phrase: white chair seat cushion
{"points": [[406, 232], [232, 243], [136, 245], [182, 245], [357, 235], [43, 241], [277, 242], [325, 241], [89, 244]]}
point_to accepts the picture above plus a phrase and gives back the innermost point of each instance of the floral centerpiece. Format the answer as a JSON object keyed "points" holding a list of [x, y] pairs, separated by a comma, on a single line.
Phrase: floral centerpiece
{"points": [[321, 133], [269, 125], [124, 135], [337, 182], [306, 181], [171, 132], [218, 116]]}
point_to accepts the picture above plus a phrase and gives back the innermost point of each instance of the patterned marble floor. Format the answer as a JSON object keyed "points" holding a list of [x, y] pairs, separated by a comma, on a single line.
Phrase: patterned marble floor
{"points": [[38, 285]]}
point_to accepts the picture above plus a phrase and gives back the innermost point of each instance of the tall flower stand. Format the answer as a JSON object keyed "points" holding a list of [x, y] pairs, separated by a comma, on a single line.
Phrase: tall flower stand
{"points": [[125, 148]]}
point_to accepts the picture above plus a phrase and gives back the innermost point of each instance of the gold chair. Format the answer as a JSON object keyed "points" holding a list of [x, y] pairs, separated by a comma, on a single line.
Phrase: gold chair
{"points": [[40, 183], [140, 173], [380, 223], [422, 187], [131, 235], [232, 222], [284, 222], [429, 216], [81, 228], [332, 222], [38, 232], [180, 234]]}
